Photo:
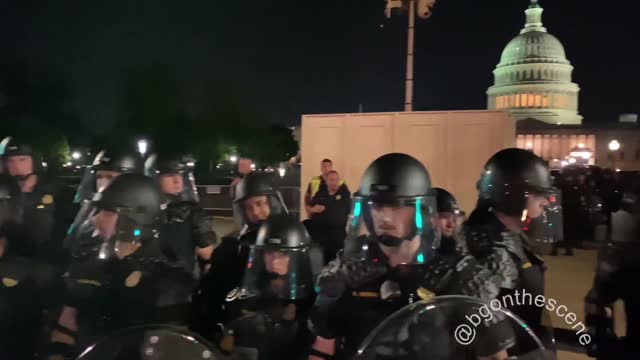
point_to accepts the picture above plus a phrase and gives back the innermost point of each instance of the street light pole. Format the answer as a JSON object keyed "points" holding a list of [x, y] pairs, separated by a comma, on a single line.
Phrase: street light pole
{"points": [[408, 102]]}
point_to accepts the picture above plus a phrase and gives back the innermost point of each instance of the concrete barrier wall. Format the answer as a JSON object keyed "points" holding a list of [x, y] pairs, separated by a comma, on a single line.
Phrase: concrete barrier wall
{"points": [[453, 145]]}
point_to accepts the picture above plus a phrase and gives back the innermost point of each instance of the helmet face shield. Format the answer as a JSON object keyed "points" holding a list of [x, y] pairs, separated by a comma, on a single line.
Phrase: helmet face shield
{"points": [[278, 272], [389, 222], [105, 232], [542, 216]]}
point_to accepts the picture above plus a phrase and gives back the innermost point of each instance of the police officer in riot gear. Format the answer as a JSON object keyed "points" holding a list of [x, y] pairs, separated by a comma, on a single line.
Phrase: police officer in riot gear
{"points": [[186, 231], [449, 216], [266, 315], [136, 285], [392, 258], [35, 238], [617, 271], [256, 199], [515, 185], [81, 240], [25, 283]]}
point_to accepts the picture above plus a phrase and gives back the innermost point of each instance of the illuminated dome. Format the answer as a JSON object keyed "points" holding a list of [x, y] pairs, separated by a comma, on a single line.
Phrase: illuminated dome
{"points": [[533, 78]]}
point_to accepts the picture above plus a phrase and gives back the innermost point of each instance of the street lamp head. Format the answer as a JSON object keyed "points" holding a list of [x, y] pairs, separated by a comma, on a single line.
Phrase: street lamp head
{"points": [[233, 158], [614, 145], [142, 146], [76, 155]]}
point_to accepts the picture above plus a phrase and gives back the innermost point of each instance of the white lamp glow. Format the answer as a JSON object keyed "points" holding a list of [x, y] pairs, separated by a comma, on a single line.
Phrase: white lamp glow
{"points": [[614, 145]]}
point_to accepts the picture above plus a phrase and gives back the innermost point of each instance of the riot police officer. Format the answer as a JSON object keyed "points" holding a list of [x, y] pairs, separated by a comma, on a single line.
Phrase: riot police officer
{"points": [[449, 217], [136, 286], [256, 199], [186, 231], [267, 314], [617, 269], [35, 238], [81, 240], [515, 185], [25, 284], [391, 259]]}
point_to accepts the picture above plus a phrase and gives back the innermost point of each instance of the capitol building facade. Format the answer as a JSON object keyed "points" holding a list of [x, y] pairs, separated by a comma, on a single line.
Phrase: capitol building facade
{"points": [[533, 81], [533, 78]]}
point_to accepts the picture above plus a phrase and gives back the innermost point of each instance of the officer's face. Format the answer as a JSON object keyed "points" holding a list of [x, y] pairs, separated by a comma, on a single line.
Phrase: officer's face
{"points": [[106, 223], [244, 166], [392, 220], [104, 178], [535, 205], [333, 182], [171, 183], [448, 223], [325, 167], [20, 165], [277, 262], [257, 209]]}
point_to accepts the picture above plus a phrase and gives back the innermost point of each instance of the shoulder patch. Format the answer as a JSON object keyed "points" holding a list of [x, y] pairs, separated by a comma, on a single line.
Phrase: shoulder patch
{"points": [[425, 294], [9, 282], [133, 279], [232, 295], [47, 199], [89, 282]]}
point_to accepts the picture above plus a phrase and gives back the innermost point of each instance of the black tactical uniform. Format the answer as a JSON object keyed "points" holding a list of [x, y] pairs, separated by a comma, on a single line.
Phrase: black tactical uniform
{"points": [[360, 289], [24, 284], [135, 286], [35, 238], [81, 240], [230, 257], [617, 271], [267, 314], [186, 226], [506, 180]]}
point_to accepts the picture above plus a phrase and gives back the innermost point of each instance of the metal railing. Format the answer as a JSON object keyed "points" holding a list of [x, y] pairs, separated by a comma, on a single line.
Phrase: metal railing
{"points": [[216, 200]]}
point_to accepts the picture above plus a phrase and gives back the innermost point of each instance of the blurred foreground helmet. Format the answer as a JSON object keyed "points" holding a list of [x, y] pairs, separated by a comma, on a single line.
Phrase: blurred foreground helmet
{"points": [[127, 211]]}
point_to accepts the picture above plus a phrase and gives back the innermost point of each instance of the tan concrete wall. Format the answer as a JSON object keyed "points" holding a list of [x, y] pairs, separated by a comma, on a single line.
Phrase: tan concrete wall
{"points": [[453, 145]]}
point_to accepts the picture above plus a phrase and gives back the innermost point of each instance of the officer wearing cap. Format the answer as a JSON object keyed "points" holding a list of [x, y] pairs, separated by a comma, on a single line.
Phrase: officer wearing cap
{"points": [[266, 315], [392, 258], [515, 188], [132, 283], [25, 284], [256, 199], [35, 238]]}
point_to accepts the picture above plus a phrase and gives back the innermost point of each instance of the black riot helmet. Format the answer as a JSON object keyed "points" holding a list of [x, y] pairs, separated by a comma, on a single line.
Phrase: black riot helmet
{"points": [[133, 196], [108, 160], [446, 202], [11, 147], [393, 187], [509, 176], [127, 211], [158, 165], [278, 264], [258, 184]]}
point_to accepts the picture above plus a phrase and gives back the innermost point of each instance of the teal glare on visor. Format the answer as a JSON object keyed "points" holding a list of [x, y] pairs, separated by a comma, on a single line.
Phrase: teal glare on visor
{"points": [[356, 213], [418, 216]]}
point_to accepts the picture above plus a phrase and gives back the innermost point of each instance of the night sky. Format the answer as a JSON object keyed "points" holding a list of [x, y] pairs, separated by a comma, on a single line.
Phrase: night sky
{"points": [[289, 58]]}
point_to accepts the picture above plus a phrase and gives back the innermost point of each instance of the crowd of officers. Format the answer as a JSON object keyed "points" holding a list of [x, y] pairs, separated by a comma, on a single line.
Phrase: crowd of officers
{"points": [[141, 251]]}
